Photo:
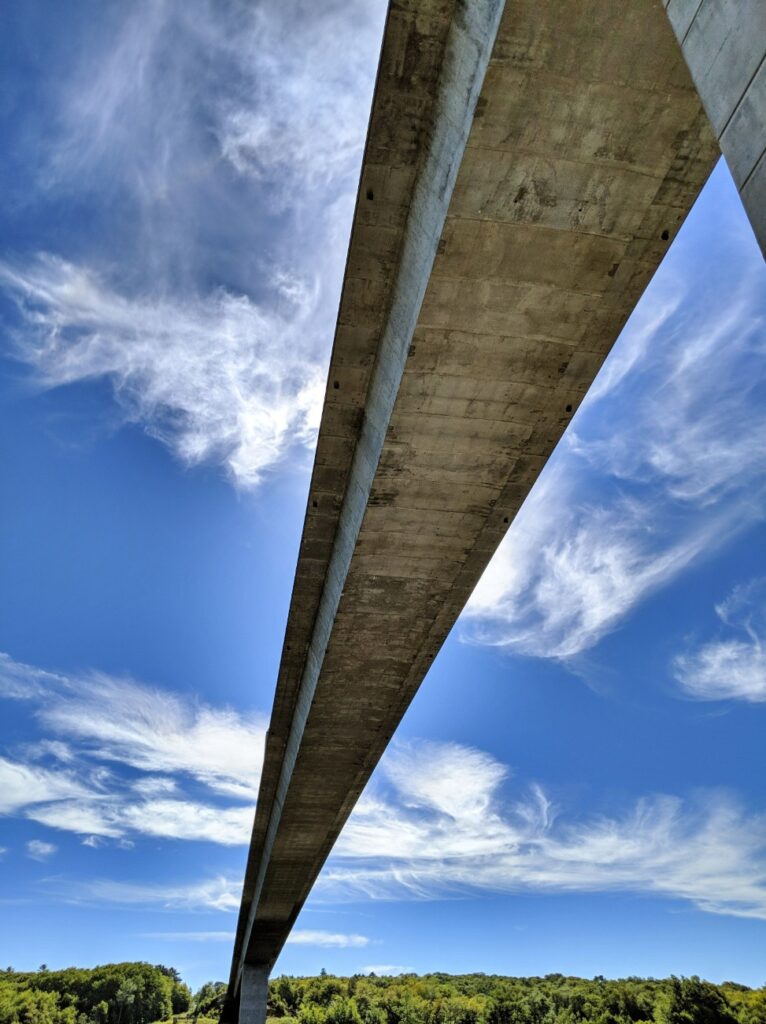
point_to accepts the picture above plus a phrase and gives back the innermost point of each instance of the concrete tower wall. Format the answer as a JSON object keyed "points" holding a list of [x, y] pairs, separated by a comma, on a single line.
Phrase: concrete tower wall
{"points": [[724, 44]]}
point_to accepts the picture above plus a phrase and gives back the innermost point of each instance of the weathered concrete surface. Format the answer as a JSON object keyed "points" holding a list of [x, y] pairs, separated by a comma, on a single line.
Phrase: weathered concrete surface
{"points": [[724, 44], [254, 995], [476, 311]]}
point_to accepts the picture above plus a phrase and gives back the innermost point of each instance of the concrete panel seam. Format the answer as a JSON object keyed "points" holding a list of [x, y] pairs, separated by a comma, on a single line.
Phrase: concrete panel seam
{"points": [[691, 23], [739, 103], [755, 167]]}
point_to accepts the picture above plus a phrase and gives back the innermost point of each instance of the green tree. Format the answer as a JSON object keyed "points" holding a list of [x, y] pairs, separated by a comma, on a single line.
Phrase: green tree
{"points": [[691, 1001]]}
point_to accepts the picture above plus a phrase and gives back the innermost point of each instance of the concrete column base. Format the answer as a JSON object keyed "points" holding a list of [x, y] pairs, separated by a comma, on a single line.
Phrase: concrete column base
{"points": [[254, 993]]}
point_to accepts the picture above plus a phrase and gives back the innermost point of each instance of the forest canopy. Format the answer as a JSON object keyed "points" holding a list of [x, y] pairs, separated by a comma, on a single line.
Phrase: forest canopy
{"points": [[138, 993], [129, 993], [493, 999]]}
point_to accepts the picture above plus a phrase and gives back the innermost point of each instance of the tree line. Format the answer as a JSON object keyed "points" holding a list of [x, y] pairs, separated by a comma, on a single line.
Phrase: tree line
{"points": [[138, 993], [492, 999], [130, 993]]}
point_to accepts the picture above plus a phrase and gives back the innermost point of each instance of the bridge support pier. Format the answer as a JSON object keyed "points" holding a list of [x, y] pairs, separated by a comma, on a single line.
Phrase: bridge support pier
{"points": [[724, 43], [254, 992]]}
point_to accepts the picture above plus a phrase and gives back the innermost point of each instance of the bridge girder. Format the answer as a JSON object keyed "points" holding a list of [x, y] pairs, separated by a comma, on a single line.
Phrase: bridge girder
{"points": [[527, 166]]}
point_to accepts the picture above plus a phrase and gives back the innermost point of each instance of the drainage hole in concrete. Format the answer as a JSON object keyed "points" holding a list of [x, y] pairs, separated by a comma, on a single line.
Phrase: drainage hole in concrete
{"points": [[665, 235]]}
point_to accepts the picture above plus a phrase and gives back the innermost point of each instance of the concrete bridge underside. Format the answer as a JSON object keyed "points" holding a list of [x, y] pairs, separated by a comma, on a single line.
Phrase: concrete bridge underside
{"points": [[528, 164]]}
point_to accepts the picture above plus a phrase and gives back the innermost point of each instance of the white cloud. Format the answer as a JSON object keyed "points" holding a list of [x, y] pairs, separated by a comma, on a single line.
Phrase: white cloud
{"points": [[725, 669], [246, 167], [409, 839], [86, 816], [733, 667], [185, 819], [446, 793], [54, 749], [37, 849], [298, 135], [656, 471], [171, 819], [152, 730], [298, 937], [24, 682], [384, 969], [173, 740], [397, 845], [22, 785], [219, 893], [155, 785], [157, 731], [456, 780], [567, 574], [331, 940], [280, 89], [215, 378], [653, 314]]}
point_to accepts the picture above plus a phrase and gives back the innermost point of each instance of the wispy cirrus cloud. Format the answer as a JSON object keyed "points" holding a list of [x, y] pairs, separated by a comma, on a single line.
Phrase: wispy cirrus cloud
{"points": [[572, 568], [327, 940], [451, 791], [22, 785], [217, 378], [38, 849], [439, 818], [276, 92], [124, 756], [299, 136], [297, 937], [155, 785], [196, 132], [117, 815], [155, 731], [733, 666], [407, 842], [19, 681], [220, 892], [152, 730], [384, 969], [656, 470]]}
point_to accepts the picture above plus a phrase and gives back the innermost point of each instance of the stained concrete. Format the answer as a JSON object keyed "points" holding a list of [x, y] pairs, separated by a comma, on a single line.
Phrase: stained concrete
{"points": [[724, 44], [486, 281]]}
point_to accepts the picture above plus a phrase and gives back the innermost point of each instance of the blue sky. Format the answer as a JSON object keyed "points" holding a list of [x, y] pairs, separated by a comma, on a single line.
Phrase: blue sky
{"points": [[578, 786]]}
